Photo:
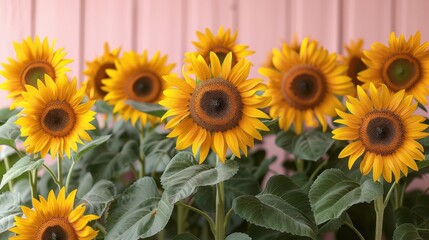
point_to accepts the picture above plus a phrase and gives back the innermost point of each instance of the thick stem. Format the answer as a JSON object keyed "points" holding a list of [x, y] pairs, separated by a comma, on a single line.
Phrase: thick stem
{"points": [[69, 176], [379, 211], [299, 165], [180, 219], [33, 183], [7, 166], [220, 211]]}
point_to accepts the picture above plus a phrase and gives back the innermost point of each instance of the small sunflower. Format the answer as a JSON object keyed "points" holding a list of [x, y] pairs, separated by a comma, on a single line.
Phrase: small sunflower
{"points": [[96, 72], [383, 128], [353, 60], [401, 65], [35, 59], [54, 119], [219, 110], [221, 45], [305, 86], [54, 218], [136, 78], [294, 45]]}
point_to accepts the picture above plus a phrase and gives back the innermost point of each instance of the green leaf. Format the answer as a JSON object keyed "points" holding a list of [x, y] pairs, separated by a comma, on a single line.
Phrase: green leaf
{"points": [[149, 108], [6, 113], [158, 151], [139, 212], [9, 132], [23, 165], [183, 175], [238, 236], [10, 207], [185, 236], [333, 193], [91, 145], [311, 145], [281, 206], [406, 231], [99, 197], [103, 107], [333, 225]]}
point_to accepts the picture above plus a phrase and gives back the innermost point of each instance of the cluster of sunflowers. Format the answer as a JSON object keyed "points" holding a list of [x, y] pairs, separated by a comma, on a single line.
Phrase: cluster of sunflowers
{"points": [[163, 163]]}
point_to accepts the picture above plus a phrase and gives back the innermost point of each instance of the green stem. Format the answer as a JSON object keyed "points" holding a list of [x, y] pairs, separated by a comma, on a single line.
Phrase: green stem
{"points": [[355, 230], [101, 228], [180, 219], [299, 165], [141, 155], [386, 201], [52, 174], [60, 172], [161, 235], [379, 211], [7, 166], [33, 183], [205, 215], [69, 176], [220, 211], [314, 174], [227, 218]]}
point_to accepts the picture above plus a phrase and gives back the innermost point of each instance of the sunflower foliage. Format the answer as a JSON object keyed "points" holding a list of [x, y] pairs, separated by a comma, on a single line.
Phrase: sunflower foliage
{"points": [[317, 145]]}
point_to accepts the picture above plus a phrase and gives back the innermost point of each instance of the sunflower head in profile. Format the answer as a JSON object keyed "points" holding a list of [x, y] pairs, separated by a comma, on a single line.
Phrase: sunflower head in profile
{"points": [[353, 60], [54, 218], [137, 78], [96, 72], [304, 86], [35, 60], [218, 110], [401, 65], [54, 119], [381, 127], [221, 44]]}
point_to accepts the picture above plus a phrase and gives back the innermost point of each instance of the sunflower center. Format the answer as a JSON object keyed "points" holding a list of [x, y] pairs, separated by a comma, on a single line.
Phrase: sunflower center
{"points": [[382, 132], [58, 119], [216, 105], [145, 87], [356, 65], [56, 229], [34, 71], [303, 87], [401, 71], [100, 75]]}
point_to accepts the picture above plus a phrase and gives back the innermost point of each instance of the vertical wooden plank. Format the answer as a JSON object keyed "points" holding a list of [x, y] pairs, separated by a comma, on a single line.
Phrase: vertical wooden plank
{"points": [[15, 25], [161, 32], [367, 19], [208, 14], [265, 30], [107, 21], [318, 20], [412, 16], [59, 20]]}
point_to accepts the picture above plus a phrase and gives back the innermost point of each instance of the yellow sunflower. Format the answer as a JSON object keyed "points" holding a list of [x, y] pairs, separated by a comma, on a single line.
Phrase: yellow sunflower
{"points": [[382, 127], [219, 110], [54, 119], [221, 45], [34, 60], [401, 65], [54, 218], [353, 60], [96, 72], [136, 78], [294, 45], [305, 86]]}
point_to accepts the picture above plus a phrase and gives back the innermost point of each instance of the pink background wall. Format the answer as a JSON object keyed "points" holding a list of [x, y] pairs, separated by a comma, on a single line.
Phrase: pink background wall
{"points": [[82, 26]]}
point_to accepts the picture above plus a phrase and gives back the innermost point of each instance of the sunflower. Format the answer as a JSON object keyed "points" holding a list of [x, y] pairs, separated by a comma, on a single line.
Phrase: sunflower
{"points": [[218, 110], [96, 72], [294, 45], [139, 79], [54, 119], [353, 60], [221, 45], [401, 65], [54, 218], [383, 128], [305, 86], [34, 60]]}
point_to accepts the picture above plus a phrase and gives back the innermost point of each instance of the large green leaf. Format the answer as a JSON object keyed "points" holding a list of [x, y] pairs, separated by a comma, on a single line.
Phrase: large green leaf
{"points": [[333, 193], [9, 132], [149, 108], [99, 197], [158, 151], [406, 231], [139, 212], [91, 145], [310, 145], [238, 236], [281, 206], [10, 207], [183, 175], [23, 165], [6, 114]]}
